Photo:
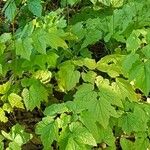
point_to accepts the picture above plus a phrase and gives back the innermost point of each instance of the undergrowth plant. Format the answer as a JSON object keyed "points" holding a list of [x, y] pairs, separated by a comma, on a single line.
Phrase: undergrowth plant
{"points": [[79, 71]]}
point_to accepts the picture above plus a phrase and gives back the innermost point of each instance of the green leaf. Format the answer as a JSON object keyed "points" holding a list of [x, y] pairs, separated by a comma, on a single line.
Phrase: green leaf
{"points": [[76, 136], [1, 69], [30, 97], [146, 51], [39, 41], [53, 40], [90, 76], [69, 2], [84, 95], [24, 47], [140, 73], [67, 77], [5, 37], [124, 90], [1, 143], [13, 145], [91, 37], [18, 136], [15, 101], [52, 59], [127, 144], [2, 48], [106, 91], [48, 131], [136, 121], [133, 42], [129, 60], [87, 62], [10, 10], [102, 110], [111, 64], [142, 143], [35, 7], [55, 109]]}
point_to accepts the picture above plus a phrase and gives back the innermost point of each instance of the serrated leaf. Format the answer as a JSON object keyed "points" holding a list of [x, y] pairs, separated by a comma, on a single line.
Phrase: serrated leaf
{"points": [[15, 101], [10, 10], [102, 110], [67, 77], [48, 131], [90, 76], [142, 143], [129, 60], [136, 121], [91, 37], [5, 87], [52, 59], [127, 144], [39, 41], [146, 51], [55, 109], [35, 7], [43, 75], [7, 107], [140, 72], [34, 96], [24, 47], [5, 37], [13, 145], [84, 95], [106, 91], [17, 135], [55, 41], [133, 42], [87, 62], [124, 90], [111, 64], [78, 136]]}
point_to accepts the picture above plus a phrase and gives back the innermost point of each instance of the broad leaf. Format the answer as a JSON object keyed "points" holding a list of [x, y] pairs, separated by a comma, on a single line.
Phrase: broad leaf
{"points": [[48, 131], [84, 95], [35, 7], [15, 100], [67, 77], [33, 96], [76, 136], [140, 72]]}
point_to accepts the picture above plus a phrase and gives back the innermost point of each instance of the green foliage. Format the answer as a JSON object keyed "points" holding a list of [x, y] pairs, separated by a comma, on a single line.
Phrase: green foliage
{"points": [[17, 137], [81, 71]]}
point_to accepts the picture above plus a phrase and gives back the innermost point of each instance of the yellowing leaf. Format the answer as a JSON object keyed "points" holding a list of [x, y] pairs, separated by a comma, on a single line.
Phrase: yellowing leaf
{"points": [[111, 64], [5, 87], [7, 107], [43, 75], [15, 100], [3, 118]]}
